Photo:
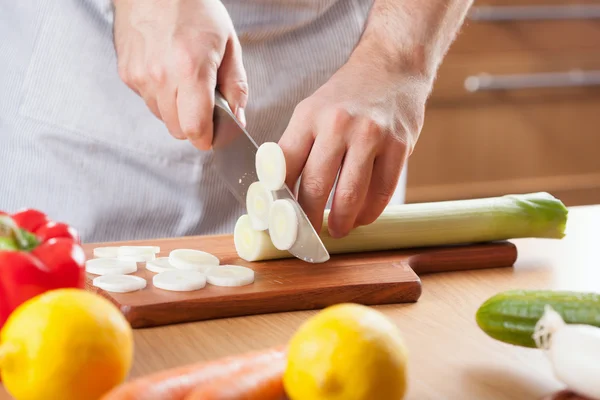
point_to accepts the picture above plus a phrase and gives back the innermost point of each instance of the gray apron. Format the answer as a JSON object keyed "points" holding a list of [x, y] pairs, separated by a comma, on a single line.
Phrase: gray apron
{"points": [[80, 145]]}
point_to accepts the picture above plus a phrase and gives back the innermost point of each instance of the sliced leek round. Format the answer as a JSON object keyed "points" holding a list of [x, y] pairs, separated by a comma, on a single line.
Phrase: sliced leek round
{"points": [[135, 250], [191, 259], [106, 252], [160, 264], [105, 266], [230, 275], [283, 224], [142, 257], [179, 280], [119, 283], [258, 203], [270, 166], [251, 244]]}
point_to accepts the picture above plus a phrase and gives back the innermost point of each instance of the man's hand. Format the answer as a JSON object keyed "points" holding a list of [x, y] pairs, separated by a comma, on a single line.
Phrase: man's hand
{"points": [[365, 126], [366, 119], [174, 54]]}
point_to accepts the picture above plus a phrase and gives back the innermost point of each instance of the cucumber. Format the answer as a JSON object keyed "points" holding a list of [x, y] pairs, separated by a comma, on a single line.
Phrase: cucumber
{"points": [[510, 316]]}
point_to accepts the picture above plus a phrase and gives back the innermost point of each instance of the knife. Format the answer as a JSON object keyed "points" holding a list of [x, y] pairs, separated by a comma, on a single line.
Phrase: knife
{"points": [[234, 153]]}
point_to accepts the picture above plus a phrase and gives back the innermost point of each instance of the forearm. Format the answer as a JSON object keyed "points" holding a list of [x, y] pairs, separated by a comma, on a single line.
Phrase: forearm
{"points": [[412, 34]]}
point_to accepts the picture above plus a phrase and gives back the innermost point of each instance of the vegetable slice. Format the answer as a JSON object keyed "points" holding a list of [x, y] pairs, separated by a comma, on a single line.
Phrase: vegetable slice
{"points": [[190, 259], [135, 250], [161, 264], [179, 280], [105, 266], [532, 215], [142, 257], [106, 252], [270, 165], [283, 224], [230, 275], [573, 350], [119, 283], [138, 253], [258, 203], [251, 244]]}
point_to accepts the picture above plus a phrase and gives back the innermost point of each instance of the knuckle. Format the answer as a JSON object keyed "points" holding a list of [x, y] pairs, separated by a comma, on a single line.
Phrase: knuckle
{"points": [[238, 88], [339, 117], [208, 66], [191, 131], [371, 132], [124, 73], [303, 109], [242, 88], [137, 77], [158, 73], [383, 196], [195, 129], [315, 188], [183, 58], [197, 50], [349, 194]]}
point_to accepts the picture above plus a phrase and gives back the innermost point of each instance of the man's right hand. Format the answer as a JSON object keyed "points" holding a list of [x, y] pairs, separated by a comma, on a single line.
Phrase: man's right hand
{"points": [[174, 54]]}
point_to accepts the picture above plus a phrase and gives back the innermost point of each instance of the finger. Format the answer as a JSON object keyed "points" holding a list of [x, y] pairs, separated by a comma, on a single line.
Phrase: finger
{"points": [[319, 176], [153, 106], [150, 100], [195, 105], [232, 79], [296, 143], [351, 190], [384, 179], [132, 73], [167, 107]]}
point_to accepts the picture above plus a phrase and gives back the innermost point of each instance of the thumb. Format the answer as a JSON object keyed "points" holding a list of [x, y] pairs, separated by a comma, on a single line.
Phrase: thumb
{"points": [[232, 80]]}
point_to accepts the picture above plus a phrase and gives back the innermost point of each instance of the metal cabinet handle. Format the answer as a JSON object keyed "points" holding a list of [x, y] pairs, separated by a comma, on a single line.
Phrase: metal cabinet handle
{"points": [[521, 13], [575, 78]]}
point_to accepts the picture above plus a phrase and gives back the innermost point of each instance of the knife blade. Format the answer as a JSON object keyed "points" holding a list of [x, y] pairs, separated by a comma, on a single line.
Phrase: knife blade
{"points": [[234, 154]]}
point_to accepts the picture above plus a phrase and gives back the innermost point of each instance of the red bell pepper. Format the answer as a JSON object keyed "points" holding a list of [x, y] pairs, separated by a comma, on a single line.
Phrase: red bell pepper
{"points": [[36, 255]]}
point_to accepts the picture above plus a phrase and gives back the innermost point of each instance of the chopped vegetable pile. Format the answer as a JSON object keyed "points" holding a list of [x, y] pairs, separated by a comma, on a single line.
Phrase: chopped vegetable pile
{"points": [[182, 271]]}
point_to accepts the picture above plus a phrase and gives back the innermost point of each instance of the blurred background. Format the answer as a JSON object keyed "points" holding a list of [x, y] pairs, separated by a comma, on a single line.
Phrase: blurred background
{"points": [[516, 106]]}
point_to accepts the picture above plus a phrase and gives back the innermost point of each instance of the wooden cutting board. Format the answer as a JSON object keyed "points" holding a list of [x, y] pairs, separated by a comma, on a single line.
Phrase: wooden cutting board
{"points": [[291, 284]]}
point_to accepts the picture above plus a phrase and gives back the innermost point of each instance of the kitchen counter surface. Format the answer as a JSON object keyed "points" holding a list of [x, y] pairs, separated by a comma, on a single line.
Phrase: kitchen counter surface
{"points": [[450, 357]]}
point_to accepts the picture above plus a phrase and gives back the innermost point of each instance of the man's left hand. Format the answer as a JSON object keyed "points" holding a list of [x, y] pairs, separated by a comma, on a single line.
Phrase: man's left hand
{"points": [[364, 122]]}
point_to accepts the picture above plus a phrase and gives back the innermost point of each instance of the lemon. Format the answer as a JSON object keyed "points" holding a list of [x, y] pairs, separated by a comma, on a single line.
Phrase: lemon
{"points": [[65, 344], [346, 352]]}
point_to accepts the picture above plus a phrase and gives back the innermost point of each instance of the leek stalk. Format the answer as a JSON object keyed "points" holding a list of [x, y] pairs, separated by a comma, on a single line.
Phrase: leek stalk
{"points": [[531, 215]]}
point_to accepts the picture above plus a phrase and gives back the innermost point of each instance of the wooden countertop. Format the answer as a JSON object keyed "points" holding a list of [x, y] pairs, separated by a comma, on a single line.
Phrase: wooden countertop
{"points": [[450, 357]]}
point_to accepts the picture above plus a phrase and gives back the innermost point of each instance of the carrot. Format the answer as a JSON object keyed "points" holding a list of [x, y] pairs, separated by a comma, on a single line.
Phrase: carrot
{"points": [[262, 380], [176, 383]]}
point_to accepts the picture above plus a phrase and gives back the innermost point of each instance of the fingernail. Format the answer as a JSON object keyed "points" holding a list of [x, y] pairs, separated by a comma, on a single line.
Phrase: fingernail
{"points": [[241, 115]]}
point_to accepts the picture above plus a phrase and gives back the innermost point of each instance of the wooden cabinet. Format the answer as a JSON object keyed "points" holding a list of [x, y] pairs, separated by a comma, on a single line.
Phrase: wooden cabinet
{"points": [[516, 106]]}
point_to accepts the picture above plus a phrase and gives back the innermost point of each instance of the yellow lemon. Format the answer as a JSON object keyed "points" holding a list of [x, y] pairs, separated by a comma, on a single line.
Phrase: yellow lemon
{"points": [[347, 352], [65, 344]]}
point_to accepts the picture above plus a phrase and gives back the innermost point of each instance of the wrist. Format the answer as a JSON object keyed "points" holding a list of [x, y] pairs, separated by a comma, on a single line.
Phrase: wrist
{"points": [[395, 58]]}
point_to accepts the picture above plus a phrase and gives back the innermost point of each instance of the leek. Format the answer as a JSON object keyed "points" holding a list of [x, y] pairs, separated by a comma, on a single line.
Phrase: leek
{"points": [[531, 215]]}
